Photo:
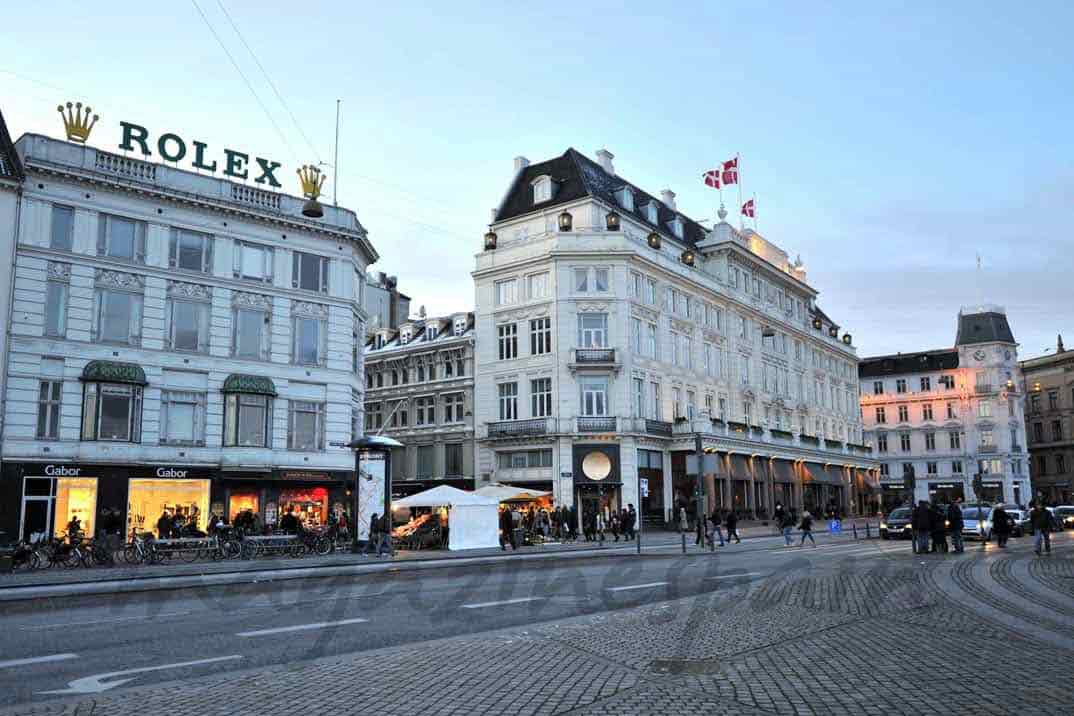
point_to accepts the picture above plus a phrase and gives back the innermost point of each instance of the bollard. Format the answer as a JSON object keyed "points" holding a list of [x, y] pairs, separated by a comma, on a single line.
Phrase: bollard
{"points": [[867, 535], [854, 528], [683, 533]]}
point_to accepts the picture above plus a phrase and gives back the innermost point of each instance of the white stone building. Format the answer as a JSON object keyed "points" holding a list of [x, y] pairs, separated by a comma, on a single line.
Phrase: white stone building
{"points": [[420, 391], [950, 414], [11, 177], [613, 330], [178, 342]]}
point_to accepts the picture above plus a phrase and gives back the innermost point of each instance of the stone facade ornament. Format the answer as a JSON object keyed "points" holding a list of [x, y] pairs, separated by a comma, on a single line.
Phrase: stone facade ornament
{"points": [[180, 289], [256, 301], [311, 310], [59, 272], [118, 279]]}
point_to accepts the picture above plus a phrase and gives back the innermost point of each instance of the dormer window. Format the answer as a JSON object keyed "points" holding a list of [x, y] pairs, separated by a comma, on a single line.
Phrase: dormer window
{"points": [[625, 198], [431, 331], [542, 189], [378, 341], [652, 213], [677, 227], [404, 336], [460, 327]]}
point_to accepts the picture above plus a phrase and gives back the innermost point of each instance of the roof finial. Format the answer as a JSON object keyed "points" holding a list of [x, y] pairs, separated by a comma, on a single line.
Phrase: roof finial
{"points": [[721, 212]]}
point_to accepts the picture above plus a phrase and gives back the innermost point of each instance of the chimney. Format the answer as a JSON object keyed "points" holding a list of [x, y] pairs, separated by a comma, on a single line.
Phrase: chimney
{"points": [[521, 163], [604, 157], [668, 197], [492, 215]]}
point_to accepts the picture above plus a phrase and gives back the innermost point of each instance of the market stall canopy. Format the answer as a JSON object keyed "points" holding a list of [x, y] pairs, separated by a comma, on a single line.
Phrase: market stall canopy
{"points": [[505, 493], [442, 495]]}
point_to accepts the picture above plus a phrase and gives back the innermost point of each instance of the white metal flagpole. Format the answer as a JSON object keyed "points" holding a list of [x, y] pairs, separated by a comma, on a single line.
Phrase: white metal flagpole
{"points": [[755, 213], [738, 181]]}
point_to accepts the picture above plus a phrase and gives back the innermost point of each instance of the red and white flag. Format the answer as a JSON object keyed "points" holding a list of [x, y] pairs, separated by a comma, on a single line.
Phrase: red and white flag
{"points": [[730, 171], [712, 178], [748, 209]]}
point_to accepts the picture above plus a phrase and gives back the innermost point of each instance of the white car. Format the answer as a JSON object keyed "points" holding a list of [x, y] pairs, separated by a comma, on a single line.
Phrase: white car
{"points": [[976, 519]]}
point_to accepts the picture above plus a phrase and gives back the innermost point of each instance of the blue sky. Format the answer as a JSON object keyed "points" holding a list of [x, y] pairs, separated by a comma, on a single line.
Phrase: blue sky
{"points": [[887, 143]]}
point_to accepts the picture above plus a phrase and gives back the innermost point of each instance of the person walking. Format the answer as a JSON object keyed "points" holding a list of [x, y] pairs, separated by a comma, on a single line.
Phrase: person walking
{"points": [[374, 535], [807, 529], [710, 528], [1001, 526], [505, 529], [732, 527], [716, 525], [632, 516], [954, 519], [699, 524], [921, 522], [385, 546], [938, 530], [786, 526], [1040, 519], [600, 526]]}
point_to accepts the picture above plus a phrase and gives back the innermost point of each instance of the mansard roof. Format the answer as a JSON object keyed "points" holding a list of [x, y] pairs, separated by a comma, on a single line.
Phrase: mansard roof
{"points": [[10, 165], [576, 176], [905, 363], [984, 327]]}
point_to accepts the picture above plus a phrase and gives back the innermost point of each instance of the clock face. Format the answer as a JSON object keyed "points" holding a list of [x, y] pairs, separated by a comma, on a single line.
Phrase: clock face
{"points": [[979, 354], [596, 466]]}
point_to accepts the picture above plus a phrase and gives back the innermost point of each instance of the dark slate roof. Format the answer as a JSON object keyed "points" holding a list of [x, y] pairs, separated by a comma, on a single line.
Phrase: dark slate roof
{"points": [[577, 176], [817, 313], [988, 327], [10, 166], [903, 363]]}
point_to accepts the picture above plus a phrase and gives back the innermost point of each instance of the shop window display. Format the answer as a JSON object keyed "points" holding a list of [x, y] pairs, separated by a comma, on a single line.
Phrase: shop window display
{"points": [[75, 497], [309, 505], [149, 499], [239, 502]]}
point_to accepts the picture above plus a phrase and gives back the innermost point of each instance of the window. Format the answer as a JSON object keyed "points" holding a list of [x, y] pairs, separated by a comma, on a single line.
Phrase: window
{"points": [[1057, 430], [639, 397], [121, 238], [453, 404], [62, 230], [952, 411], [987, 438], [900, 385], [508, 396], [676, 348], [1016, 467], [182, 417], [635, 284], [252, 262], [508, 333], [309, 341], [904, 414], [55, 308], [743, 327], [117, 317], [190, 251], [931, 468], [594, 395], [601, 281], [310, 272], [112, 412], [541, 397], [1042, 465], [1038, 432], [1060, 464], [747, 413], [926, 384], [522, 460], [188, 326], [930, 440], [885, 470], [593, 330], [1034, 403], [581, 280], [954, 437], [540, 336], [687, 352], [400, 414], [651, 341], [453, 460], [956, 467], [1012, 410], [655, 409], [904, 442], [926, 411], [650, 291], [539, 286], [881, 442], [250, 333], [676, 403], [426, 460], [691, 404], [48, 409], [984, 409], [635, 335], [247, 420], [425, 410], [878, 387], [948, 382]]}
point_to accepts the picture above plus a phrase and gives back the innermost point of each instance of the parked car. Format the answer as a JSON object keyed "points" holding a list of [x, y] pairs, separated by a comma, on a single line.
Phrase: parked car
{"points": [[1064, 515], [897, 524], [975, 520]]}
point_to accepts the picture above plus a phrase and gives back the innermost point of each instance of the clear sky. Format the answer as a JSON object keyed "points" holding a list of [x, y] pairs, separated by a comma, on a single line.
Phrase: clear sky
{"points": [[887, 143]]}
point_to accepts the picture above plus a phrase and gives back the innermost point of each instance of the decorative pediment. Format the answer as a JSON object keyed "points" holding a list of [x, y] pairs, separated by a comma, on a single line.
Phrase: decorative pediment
{"points": [[644, 313], [682, 326], [193, 291], [108, 371], [585, 307], [308, 309], [244, 383], [256, 301], [118, 279]]}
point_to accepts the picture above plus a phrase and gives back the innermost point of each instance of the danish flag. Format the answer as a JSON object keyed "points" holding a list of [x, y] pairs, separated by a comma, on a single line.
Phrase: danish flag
{"points": [[730, 171], [712, 178], [748, 209]]}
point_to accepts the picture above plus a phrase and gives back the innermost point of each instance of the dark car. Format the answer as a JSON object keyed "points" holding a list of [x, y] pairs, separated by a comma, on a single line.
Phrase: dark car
{"points": [[896, 524]]}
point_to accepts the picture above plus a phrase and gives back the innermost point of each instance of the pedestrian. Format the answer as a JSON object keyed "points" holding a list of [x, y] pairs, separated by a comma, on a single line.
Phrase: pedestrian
{"points": [[632, 516], [807, 529], [683, 526], [787, 527], [385, 546], [599, 526], [716, 522], [164, 525], [374, 534], [1040, 519], [1001, 526], [710, 529], [614, 524], [505, 529], [777, 517], [938, 529], [921, 523], [572, 523], [954, 519], [732, 527], [699, 524]]}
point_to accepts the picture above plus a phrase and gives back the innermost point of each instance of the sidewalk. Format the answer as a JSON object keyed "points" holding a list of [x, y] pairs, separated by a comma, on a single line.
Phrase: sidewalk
{"points": [[58, 582]]}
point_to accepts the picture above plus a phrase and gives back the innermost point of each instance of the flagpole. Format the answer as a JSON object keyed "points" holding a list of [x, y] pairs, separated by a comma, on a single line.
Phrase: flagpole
{"points": [[738, 181], [755, 214]]}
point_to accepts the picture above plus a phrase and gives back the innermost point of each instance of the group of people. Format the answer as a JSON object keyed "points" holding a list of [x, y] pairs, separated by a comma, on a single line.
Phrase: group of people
{"points": [[712, 528], [620, 523], [786, 520], [932, 523], [173, 524], [517, 526]]}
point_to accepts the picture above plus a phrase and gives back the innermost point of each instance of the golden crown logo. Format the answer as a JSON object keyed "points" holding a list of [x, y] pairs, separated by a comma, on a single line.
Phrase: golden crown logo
{"points": [[76, 122], [312, 181]]}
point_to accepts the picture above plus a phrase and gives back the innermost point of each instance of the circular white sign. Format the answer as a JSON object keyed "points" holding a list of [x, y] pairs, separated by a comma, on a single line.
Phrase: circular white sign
{"points": [[596, 465]]}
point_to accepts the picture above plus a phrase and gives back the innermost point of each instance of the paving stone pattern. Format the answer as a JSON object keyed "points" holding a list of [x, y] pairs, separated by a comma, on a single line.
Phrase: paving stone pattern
{"points": [[880, 640]]}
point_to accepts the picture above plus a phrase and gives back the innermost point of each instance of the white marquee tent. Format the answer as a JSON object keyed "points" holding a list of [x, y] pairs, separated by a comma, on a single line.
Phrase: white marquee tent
{"points": [[503, 493], [473, 519]]}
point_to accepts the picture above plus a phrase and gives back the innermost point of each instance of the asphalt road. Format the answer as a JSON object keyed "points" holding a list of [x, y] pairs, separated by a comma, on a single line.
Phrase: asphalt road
{"points": [[90, 644]]}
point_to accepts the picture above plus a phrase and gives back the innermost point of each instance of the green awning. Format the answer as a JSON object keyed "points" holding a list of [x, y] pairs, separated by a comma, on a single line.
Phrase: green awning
{"points": [[243, 383], [110, 371]]}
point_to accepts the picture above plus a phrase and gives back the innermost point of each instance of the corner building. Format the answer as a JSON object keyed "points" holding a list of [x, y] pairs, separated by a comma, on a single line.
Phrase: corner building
{"points": [[614, 332], [949, 414], [177, 342], [1049, 382]]}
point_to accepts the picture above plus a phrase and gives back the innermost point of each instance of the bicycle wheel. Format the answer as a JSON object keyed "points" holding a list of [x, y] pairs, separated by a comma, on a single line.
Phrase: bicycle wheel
{"points": [[187, 554], [248, 550], [231, 549], [73, 559], [132, 555]]}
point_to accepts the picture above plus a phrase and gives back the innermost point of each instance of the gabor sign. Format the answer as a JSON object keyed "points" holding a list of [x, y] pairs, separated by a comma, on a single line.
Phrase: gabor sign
{"points": [[172, 148]]}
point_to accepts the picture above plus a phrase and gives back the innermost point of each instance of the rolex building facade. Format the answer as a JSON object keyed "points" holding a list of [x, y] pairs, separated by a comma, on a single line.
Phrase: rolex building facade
{"points": [[616, 336], [179, 342]]}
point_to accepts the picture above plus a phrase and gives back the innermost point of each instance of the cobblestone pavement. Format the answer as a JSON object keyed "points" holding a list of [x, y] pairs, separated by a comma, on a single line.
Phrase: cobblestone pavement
{"points": [[898, 635]]}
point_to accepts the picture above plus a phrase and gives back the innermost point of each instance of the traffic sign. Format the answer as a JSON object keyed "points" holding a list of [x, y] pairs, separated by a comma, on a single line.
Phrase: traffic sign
{"points": [[835, 526], [644, 483]]}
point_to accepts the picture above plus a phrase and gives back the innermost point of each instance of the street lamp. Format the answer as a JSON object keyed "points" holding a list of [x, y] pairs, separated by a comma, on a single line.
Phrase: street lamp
{"points": [[367, 444]]}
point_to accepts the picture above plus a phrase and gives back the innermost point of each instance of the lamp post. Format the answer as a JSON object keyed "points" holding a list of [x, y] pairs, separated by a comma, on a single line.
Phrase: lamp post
{"points": [[367, 444], [699, 516]]}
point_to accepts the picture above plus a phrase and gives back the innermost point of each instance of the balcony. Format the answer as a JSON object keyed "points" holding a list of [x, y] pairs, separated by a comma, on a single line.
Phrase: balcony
{"points": [[596, 424], [983, 388], [594, 359], [987, 448], [658, 427], [518, 428]]}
